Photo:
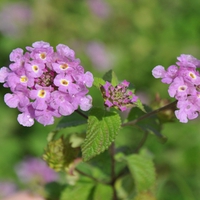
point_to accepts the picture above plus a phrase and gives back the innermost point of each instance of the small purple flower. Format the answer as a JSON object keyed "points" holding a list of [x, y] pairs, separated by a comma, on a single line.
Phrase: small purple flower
{"points": [[184, 85], [35, 170], [118, 96], [187, 110], [38, 75], [7, 188], [100, 57], [99, 8], [14, 18], [188, 61]]}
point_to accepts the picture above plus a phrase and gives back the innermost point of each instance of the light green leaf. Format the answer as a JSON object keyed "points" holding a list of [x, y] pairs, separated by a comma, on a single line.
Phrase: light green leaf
{"points": [[102, 192], [80, 191], [142, 170], [74, 119], [145, 196], [103, 126], [111, 77], [98, 82], [139, 104]]}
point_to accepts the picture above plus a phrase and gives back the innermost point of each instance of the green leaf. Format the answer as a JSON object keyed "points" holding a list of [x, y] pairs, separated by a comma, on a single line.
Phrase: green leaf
{"points": [[139, 105], [102, 192], [142, 170], [111, 77], [144, 196], [98, 81], [103, 126], [98, 172], [74, 119], [53, 190], [125, 187], [80, 191], [150, 124]]}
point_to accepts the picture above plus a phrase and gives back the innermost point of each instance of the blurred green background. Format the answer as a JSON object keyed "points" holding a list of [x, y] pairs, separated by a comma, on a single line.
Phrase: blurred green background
{"points": [[130, 37]]}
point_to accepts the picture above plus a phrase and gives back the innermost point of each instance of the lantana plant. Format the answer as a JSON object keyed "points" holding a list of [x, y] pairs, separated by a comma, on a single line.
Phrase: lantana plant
{"points": [[46, 84]]}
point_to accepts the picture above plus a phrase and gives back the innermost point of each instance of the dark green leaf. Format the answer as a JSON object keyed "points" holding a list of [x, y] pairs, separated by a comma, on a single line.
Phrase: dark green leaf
{"points": [[74, 119], [150, 124], [53, 190], [111, 77], [125, 187]]}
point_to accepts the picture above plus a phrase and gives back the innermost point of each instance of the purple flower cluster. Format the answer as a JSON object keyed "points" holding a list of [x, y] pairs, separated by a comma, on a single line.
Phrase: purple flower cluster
{"points": [[184, 85], [7, 188], [45, 84], [118, 96], [35, 170]]}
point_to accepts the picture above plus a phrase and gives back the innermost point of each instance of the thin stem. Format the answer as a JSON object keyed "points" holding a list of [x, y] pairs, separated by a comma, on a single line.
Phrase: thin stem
{"points": [[82, 114], [113, 179], [150, 114], [125, 170]]}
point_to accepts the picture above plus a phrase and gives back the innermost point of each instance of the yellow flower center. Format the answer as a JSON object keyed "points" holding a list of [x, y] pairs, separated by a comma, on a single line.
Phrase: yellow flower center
{"points": [[182, 88], [192, 75], [64, 82], [23, 79], [43, 56], [64, 66], [35, 68], [41, 93]]}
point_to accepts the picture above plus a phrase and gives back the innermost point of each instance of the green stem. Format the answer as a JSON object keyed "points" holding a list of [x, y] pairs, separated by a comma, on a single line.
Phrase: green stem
{"points": [[82, 114], [150, 114], [113, 175]]}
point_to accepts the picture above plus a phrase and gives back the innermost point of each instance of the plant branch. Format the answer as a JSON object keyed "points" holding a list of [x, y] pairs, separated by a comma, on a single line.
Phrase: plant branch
{"points": [[172, 104], [82, 114], [113, 179]]}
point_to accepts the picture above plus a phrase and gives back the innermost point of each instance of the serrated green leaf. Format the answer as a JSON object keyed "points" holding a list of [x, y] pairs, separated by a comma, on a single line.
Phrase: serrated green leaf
{"points": [[111, 77], [103, 126], [74, 119], [98, 81], [80, 191], [142, 170]]}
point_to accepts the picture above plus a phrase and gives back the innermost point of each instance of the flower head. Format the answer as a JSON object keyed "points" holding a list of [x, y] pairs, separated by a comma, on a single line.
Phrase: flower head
{"points": [[45, 84], [184, 84], [118, 96], [7, 188], [35, 170]]}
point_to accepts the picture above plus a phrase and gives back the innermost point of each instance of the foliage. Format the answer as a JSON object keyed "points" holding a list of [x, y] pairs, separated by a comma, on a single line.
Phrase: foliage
{"points": [[131, 38]]}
